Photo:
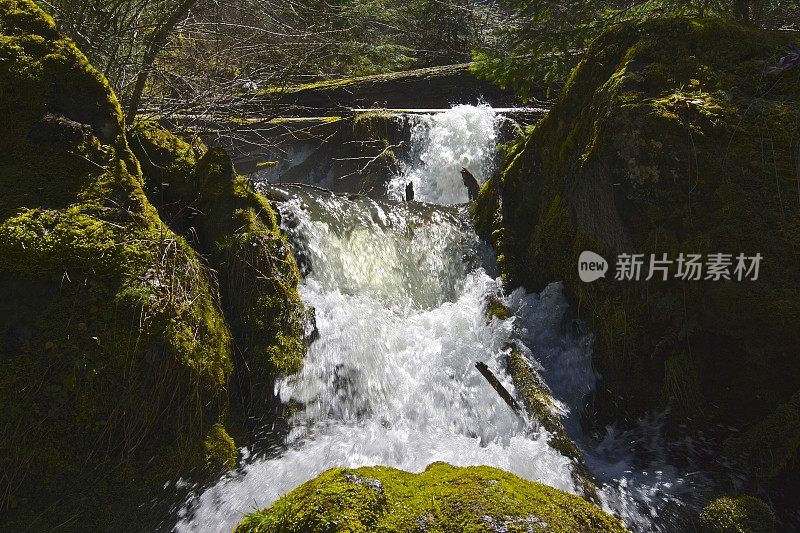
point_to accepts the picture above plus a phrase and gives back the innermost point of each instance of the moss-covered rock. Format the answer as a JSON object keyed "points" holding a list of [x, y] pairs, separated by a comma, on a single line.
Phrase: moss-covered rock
{"points": [[220, 448], [770, 446], [168, 167], [668, 138], [115, 357], [236, 229], [442, 498], [258, 276], [743, 514], [495, 308]]}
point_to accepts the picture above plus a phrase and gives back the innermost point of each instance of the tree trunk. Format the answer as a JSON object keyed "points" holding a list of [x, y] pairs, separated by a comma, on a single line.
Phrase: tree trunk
{"points": [[742, 8], [155, 44]]}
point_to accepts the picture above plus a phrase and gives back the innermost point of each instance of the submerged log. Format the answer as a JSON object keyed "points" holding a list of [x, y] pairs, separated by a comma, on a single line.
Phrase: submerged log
{"points": [[495, 383]]}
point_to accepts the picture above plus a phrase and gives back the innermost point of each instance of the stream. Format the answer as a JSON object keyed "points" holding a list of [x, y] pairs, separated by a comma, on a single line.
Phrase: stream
{"points": [[400, 293]]}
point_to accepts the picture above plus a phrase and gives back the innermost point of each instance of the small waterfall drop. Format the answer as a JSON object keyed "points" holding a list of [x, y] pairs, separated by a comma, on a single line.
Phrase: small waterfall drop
{"points": [[442, 143]]}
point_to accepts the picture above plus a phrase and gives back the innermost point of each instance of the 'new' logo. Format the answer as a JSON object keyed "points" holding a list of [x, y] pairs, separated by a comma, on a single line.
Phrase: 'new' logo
{"points": [[591, 266]]}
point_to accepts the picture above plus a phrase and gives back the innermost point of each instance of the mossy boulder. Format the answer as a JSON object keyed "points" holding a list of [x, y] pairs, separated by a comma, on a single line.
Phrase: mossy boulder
{"points": [[258, 276], [168, 167], [770, 446], [237, 230], [115, 356], [743, 514], [443, 498], [667, 139]]}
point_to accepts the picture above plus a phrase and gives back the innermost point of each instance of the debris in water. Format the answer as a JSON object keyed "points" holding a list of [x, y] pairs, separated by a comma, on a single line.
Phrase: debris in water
{"points": [[470, 183], [495, 383]]}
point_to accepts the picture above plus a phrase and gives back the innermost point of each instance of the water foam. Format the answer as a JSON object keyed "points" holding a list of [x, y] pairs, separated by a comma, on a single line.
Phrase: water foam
{"points": [[391, 380], [442, 143]]}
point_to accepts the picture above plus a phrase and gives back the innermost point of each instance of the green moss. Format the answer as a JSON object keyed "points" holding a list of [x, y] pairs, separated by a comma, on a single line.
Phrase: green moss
{"points": [[351, 84], [322, 84], [770, 446], [743, 514], [540, 407], [167, 163], [237, 230], [495, 308], [302, 120], [442, 498], [667, 138], [115, 357], [220, 450], [373, 124], [247, 245]]}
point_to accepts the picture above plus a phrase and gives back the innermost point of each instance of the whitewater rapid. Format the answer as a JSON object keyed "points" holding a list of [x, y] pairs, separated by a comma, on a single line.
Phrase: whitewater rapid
{"points": [[441, 145], [400, 292]]}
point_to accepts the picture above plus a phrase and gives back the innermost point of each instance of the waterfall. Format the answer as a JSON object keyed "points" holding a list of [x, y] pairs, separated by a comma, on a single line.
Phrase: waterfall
{"points": [[442, 143], [399, 291]]}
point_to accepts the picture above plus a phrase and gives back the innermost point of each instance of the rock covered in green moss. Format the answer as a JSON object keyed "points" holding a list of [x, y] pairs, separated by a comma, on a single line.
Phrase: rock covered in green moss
{"points": [[168, 164], [770, 446], [743, 514], [220, 449], [258, 274], [442, 498], [495, 308], [668, 138], [237, 230], [114, 355]]}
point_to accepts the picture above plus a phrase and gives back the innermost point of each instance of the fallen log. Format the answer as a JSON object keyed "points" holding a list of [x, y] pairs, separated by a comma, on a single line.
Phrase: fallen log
{"points": [[495, 383]]}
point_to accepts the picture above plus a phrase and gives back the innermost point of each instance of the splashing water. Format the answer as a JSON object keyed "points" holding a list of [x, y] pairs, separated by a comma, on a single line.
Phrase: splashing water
{"points": [[650, 495], [391, 379], [442, 143], [400, 296]]}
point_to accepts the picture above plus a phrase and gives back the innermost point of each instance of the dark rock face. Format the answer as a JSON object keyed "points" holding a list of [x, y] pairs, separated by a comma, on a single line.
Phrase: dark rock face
{"points": [[360, 155], [53, 129], [669, 138]]}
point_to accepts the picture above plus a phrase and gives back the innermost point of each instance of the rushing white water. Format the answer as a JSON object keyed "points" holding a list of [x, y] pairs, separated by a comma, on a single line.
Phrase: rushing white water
{"points": [[391, 379], [400, 292], [443, 143]]}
